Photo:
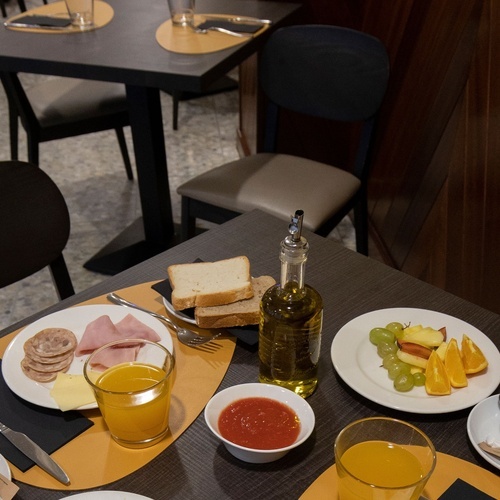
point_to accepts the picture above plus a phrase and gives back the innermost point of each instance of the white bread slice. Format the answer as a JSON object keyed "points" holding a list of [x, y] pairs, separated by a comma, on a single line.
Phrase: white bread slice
{"points": [[241, 313], [210, 283]]}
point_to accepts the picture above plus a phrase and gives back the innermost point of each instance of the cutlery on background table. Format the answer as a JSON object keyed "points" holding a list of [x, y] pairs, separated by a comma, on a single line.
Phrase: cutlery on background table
{"points": [[24, 444], [204, 31], [239, 19], [185, 336]]}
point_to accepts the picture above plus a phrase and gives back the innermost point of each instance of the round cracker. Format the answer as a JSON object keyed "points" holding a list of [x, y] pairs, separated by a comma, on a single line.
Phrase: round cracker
{"points": [[39, 376], [49, 367], [54, 342], [29, 352]]}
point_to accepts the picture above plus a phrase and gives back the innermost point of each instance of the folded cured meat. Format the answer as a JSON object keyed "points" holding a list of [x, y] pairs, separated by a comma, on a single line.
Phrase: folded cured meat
{"points": [[102, 330], [112, 357], [131, 328]]}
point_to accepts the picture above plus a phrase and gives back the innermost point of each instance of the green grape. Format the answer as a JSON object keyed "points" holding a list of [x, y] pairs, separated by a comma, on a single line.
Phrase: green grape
{"points": [[389, 360], [404, 382], [398, 369], [381, 334], [385, 348], [419, 379], [396, 328]]}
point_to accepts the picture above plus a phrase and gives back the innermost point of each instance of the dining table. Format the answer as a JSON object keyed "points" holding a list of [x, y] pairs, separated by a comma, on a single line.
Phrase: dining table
{"points": [[196, 464], [126, 49]]}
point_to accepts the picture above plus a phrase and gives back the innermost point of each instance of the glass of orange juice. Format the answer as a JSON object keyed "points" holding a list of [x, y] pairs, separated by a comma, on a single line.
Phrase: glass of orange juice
{"points": [[383, 458], [132, 381]]}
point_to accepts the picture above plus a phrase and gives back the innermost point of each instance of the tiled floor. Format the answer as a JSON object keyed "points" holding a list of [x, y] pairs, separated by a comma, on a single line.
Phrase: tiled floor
{"points": [[90, 173]]}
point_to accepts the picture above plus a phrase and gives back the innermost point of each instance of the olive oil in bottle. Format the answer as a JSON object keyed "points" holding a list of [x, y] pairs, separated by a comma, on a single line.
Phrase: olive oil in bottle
{"points": [[291, 317]]}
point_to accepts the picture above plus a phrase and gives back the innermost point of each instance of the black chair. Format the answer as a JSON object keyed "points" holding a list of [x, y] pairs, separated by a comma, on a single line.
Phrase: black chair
{"points": [[22, 6], [35, 226], [324, 71], [65, 107]]}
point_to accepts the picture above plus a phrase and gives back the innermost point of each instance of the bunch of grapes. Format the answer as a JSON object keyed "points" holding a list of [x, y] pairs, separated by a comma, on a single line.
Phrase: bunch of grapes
{"points": [[401, 373]]}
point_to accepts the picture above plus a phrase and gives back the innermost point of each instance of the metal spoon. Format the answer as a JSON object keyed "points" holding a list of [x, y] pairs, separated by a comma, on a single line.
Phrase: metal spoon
{"points": [[185, 336]]}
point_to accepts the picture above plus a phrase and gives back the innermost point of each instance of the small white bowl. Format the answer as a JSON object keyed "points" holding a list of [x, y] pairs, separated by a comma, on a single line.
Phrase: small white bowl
{"points": [[484, 422], [224, 398]]}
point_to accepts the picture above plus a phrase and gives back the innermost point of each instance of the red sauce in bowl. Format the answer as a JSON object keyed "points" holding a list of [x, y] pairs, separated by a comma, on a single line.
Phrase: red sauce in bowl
{"points": [[259, 423]]}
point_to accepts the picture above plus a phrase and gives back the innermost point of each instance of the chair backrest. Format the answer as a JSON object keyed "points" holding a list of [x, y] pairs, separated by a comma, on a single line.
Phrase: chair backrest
{"points": [[34, 221], [325, 71]]}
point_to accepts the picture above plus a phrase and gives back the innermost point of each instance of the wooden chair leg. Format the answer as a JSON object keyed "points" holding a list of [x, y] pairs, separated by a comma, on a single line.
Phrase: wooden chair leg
{"points": [[2, 8], [123, 148], [33, 150], [361, 226], [188, 223], [61, 278], [176, 96], [22, 5], [13, 131]]}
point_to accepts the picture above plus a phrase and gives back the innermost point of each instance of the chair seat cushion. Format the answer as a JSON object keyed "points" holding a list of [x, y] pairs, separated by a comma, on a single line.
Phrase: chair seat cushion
{"points": [[278, 184], [58, 100]]}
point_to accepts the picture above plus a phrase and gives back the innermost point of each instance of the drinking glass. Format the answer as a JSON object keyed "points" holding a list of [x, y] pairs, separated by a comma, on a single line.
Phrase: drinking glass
{"points": [[181, 12], [383, 458], [81, 13], [132, 381]]}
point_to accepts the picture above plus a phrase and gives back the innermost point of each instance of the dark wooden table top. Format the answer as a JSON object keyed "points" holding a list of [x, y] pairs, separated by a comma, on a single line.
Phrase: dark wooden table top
{"points": [[126, 49], [197, 465]]}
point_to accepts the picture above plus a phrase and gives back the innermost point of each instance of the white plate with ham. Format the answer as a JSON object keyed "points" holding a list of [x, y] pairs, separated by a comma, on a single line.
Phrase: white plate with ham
{"points": [[101, 320]]}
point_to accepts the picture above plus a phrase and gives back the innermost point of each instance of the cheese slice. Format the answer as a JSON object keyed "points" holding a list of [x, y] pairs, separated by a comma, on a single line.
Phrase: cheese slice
{"points": [[71, 391]]}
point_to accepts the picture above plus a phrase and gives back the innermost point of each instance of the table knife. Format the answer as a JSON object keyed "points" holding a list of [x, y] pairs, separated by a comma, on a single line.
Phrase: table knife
{"points": [[35, 453], [238, 19]]}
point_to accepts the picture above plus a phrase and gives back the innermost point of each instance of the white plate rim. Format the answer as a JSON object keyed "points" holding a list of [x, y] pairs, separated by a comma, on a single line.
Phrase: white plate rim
{"points": [[351, 343], [472, 432], [177, 314], [111, 495], [75, 319], [4, 468]]}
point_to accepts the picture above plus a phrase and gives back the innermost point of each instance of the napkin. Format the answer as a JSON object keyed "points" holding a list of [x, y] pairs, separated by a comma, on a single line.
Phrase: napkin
{"points": [[50, 429], [247, 334], [460, 490], [228, 25]]}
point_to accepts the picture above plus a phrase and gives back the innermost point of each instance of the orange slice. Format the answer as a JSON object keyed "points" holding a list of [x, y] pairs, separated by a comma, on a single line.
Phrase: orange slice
{"points": [[454, 365], [472, 357], [437, 382]]}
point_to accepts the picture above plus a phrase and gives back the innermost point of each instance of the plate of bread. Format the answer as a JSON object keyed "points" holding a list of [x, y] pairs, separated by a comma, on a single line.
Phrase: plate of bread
{"points": [[220, 294]]}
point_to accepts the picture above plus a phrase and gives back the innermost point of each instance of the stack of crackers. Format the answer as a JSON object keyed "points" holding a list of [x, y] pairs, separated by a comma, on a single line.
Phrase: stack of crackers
{"points": [[47, 353]]}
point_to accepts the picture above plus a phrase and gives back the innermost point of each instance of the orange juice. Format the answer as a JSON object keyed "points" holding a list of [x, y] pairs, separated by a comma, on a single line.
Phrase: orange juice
{"points": [[134, 400], [395, 472]]}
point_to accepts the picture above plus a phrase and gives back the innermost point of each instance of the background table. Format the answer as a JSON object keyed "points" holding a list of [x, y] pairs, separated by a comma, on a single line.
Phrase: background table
{"points": [[197, 465], [126, 51]]}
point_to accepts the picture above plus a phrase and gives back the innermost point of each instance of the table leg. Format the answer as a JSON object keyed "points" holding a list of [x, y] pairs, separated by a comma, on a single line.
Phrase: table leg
{"points": [[156, 232]]}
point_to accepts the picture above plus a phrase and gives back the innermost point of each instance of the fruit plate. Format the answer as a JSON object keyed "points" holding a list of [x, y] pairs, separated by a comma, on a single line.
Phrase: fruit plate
{"points": [[356, 361]]}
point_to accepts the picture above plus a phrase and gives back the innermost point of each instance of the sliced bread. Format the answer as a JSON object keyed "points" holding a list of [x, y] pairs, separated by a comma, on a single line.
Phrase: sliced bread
{"points": [[241, 313], [201, 284]]}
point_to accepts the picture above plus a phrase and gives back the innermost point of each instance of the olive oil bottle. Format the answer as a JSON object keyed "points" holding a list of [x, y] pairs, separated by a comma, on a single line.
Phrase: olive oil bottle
{"points": [[291, 318]]}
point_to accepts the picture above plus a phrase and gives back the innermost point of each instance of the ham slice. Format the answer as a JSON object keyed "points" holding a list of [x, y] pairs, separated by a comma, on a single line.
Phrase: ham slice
{"points": [[115, 356], [131, 328], [97, 333], [102, 331]]}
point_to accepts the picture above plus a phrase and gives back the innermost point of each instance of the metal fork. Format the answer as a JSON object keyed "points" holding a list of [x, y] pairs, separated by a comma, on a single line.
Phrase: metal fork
{"points": [[185, 336]]}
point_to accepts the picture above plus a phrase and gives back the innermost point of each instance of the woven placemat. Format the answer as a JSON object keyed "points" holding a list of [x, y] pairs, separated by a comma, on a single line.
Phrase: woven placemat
{"points": [[103, 14], [183, 40], [447, 473]]}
